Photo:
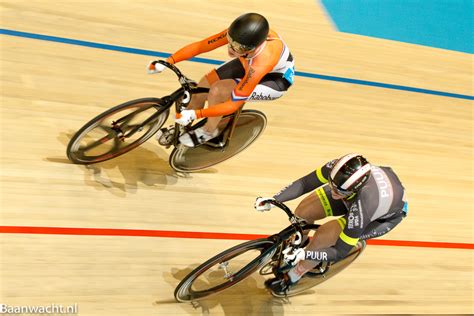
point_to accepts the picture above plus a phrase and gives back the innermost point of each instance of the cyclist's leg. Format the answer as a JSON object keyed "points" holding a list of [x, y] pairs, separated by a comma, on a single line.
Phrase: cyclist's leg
{"points": [[221, 82], [326, 236], [310, 208], [318, 205], [225, 78], [222, 89], [315, 206], [229, 70], [272, 86], [198, 100], [219, 92]]}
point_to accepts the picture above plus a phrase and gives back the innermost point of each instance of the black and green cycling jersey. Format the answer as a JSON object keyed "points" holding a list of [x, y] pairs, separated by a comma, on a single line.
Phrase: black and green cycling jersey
{"points": [[376, 208]]}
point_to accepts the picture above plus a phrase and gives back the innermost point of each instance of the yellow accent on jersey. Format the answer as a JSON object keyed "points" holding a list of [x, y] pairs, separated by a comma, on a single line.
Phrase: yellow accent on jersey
{"points": [[351, 196], [342, 222], [320, 176], [348, 240], [324, 201]]}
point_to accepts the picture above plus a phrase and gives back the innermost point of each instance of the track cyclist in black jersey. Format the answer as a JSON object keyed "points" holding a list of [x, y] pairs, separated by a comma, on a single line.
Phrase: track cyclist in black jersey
{"points": [[370, 201]]}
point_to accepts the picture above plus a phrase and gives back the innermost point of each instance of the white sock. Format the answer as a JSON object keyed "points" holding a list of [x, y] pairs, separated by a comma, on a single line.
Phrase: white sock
{"points": [[297, 272], [213, 133], [206, 133]]}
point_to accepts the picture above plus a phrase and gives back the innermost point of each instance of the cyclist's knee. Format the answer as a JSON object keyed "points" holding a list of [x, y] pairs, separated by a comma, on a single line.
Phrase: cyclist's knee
{"points": [[220, 90], [204, 82], [198, 100], [310, 208], [215, 90], [325, 236]]}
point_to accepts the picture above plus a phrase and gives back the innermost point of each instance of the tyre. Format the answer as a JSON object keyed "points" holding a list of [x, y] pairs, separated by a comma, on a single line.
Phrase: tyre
{"points": [[324, 272], [100, 139], [249, 127], [225, 270]]}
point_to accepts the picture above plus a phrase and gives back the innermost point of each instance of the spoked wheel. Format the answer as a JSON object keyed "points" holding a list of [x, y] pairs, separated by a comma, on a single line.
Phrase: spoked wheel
{"points": [[325, 271], [249, 127], [106, 136], [225, 270]]}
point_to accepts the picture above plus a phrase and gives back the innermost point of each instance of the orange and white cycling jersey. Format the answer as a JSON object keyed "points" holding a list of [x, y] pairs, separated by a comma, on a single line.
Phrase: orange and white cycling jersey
{"points": [[272, 60]]}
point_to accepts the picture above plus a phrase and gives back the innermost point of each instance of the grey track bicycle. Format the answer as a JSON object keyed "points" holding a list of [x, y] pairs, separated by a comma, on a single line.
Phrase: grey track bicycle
{"points": [[128, 125], [264, 255]]}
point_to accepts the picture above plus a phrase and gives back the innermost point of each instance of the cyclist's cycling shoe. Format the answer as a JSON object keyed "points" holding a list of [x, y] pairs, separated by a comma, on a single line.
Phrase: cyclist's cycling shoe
{"points": [[279, 286], [197, 137], [165, 136]]}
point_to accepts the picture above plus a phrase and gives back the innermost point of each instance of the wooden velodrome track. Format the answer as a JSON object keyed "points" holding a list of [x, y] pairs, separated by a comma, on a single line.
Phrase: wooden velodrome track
{"points": [[51, 88]]}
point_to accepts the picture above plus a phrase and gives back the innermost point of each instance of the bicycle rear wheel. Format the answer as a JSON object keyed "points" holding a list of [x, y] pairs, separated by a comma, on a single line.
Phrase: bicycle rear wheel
{"points": [[100, 139], [326, 271], [225, 270], [249, 127]]}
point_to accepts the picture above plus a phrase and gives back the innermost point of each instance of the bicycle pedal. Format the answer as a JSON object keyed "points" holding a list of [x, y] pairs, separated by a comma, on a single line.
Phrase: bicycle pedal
{"points": [[165, 136]]}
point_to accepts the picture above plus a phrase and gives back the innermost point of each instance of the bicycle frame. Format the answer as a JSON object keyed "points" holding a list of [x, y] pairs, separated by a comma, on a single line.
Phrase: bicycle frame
{"points": [[283, 238], [125, 122], [270, 260], [189, 88]]}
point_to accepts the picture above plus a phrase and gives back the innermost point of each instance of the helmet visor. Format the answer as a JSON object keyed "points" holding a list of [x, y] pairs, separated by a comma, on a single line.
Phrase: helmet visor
{"points": [[339, 191], [237, 47]]}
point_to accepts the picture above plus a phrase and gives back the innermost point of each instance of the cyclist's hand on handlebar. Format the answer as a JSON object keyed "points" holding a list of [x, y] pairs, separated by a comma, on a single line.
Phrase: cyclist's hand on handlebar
{"points": [[262, 205], [292, 256], [185, 117], [154, 67]]}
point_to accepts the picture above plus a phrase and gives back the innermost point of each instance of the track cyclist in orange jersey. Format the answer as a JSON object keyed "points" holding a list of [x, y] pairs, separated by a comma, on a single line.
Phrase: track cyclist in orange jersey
{"points": [[262, 69], [369, 200]]}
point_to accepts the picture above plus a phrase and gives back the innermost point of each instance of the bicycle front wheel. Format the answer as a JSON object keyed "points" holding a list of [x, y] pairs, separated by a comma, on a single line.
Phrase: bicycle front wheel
{"points": [[225, 270], [249, 127], [108, 135]]}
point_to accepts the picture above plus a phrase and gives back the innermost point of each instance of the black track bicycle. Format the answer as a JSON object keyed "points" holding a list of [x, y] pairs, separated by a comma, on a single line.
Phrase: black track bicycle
{"points": [[128, 125], [264, 255]]}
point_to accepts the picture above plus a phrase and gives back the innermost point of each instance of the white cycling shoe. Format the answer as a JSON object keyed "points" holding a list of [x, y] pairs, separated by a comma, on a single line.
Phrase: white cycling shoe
{"points": [[197, 137]]}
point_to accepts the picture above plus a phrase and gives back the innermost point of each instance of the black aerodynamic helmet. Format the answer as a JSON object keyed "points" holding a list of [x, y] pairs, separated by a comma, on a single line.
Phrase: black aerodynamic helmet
{"points": [[349, 174], [249, 30]]}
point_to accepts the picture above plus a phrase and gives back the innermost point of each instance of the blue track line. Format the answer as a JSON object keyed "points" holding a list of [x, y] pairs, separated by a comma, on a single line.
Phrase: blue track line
{"points": [[137, 51], [384, 85]]}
